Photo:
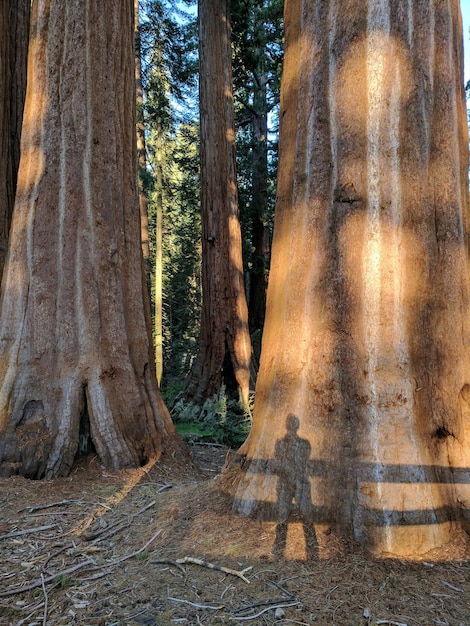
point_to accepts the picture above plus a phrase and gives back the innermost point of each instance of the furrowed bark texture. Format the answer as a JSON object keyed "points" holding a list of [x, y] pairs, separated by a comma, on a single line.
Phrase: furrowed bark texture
{"points": [[362, 400], [74, 336], [14, 24], [225, 348]]}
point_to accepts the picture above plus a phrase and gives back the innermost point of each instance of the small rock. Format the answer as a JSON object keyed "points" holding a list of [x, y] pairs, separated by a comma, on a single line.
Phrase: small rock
{"points": [[279, 613]]}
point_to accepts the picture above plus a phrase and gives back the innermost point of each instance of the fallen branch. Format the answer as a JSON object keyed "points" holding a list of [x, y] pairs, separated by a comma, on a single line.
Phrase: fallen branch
{"points": [[451, 586], [129, 556], [70, 570], [27, 531], [198, 606], [165, 487], [269, 603], [44, 620], [269, 608], [54, 554], [94, 535], [38, 583], [218, 568], [40, 507], [168, 562]]}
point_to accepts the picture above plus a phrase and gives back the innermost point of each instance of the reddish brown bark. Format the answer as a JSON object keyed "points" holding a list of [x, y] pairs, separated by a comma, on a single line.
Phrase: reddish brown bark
{"points": [[14, 21], [364, 378], [75, 345], [225, 349]]}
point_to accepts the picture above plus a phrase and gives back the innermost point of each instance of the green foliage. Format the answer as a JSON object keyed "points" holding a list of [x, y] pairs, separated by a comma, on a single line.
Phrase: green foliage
{"points": [[171, 181], [62, 581], [182, 254], [219, 420], [169, 44]]}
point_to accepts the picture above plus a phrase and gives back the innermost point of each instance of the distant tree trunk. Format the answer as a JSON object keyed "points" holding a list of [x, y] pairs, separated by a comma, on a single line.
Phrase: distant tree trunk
{"points": [[158, 292], [225, 350], [75, 345], [14, 25], [141, 144], [362, 411], [259, 230]]}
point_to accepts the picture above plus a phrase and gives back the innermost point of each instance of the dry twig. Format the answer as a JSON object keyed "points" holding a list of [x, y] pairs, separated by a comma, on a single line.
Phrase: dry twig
{"points": [[38, 583], [198, 606], [44, 621], [40, 507], [27, 531], [218, 568], [269, 608]]}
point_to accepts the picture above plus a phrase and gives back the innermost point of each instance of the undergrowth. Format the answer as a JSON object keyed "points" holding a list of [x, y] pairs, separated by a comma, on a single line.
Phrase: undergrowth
{"points": [[219, 420]]}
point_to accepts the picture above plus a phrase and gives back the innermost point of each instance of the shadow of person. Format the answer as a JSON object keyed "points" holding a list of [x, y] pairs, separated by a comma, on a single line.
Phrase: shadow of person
{"points": [[291, 460]]}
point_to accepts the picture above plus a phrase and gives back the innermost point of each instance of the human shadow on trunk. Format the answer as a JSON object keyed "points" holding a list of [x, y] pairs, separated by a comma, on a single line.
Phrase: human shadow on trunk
{"points": [[291, 464]]}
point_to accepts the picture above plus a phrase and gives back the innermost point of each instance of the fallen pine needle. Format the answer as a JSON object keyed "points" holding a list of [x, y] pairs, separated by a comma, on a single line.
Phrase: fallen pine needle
{"points": [[218, 568]]}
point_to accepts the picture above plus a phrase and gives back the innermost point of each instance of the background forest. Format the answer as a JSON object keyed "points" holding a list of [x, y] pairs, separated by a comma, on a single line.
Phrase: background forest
{"points": [[169, 174]]}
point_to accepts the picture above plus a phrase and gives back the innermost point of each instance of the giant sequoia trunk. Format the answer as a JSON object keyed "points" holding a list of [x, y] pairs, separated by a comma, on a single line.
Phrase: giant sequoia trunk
{"points": [[362, 411], [75, 352], [225, 348], [14, 35]]}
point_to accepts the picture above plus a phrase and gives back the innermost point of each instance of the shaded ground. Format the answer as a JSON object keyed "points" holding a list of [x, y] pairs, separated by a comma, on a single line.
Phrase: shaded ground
{"points": [[102, 548]]}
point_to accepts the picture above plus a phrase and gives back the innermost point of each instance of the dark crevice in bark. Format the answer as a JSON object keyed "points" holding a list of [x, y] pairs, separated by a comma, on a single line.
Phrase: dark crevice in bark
{"points": [[442, 433], [228, 375], [85, 442]]}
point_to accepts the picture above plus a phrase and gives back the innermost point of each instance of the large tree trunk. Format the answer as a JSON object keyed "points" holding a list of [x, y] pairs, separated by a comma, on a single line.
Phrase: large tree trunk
{"points": [[75, 347], [362, 405], [14, 27], [225, 349]]}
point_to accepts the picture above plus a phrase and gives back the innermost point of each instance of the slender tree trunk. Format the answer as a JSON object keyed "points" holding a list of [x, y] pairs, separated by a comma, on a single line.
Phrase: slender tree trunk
{"points": [[141, 144], [363, 392], [14, 26], [158, 323], [260, 231], [225, 350], [75, 345]]}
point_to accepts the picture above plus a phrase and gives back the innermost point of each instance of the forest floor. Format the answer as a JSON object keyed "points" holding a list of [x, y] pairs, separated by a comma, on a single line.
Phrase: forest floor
{"points": [[103, 548]]}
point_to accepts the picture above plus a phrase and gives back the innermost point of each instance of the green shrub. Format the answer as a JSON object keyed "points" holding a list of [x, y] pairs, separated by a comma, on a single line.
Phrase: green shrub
{"points": [[219, 420]]}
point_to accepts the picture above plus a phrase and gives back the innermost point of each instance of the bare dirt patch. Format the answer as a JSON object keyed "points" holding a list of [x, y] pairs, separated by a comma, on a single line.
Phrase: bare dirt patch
{"points": [[103, 548]]}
